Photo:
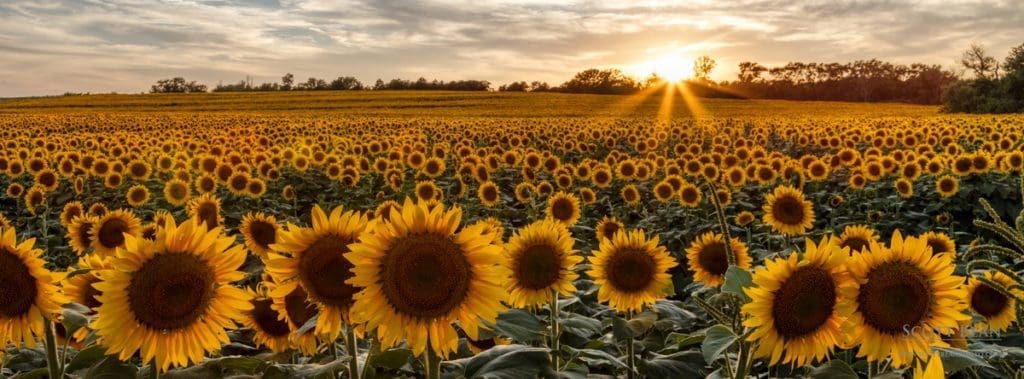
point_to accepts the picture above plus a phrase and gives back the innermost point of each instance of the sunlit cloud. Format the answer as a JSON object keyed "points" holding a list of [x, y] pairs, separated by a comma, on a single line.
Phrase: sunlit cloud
{"points": [[53, 46]]}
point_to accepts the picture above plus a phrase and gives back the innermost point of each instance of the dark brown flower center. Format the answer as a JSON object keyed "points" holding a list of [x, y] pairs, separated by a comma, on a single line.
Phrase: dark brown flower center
{"points": [[171, 291], [897, 297], [988, 301], [804, 302], [562, 209], [855, 243], [537, 267], [425, 275], [263, 233], [266, 319], [17, 286], [713, 259], [788, 210], [631, 270], [298, 309], [111, 233], [323, 271], [207, 212]]}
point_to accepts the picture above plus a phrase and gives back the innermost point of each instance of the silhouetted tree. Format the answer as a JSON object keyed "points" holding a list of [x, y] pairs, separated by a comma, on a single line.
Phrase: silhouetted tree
{"points": [[514, 87], [702, 68], [610, 81], [287, 81], [981, 64], [987, 92], [177, 85]]}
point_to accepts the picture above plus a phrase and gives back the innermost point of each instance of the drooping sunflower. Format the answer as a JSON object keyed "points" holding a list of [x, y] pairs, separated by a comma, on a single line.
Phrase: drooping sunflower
{"points": [[607, 227], [631, 271], [708, 260], [787, 212], [905, 297], [857, 238], [939, 242], [171, 299], [111, 231], [296, 310], [419, 276], [206, 209], [997, 310], [28, 291], [260, 232], [564, 208], [79, 234], [540, 258], [269, 328], [796, 309], [314, 257]]}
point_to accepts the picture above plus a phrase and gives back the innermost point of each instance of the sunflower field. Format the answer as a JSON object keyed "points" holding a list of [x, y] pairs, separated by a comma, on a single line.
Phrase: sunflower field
{"points": [[490, 236]]}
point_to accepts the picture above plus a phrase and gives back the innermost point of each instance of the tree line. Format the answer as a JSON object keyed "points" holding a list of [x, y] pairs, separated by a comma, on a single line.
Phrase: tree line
{"points": [[994, 88]]}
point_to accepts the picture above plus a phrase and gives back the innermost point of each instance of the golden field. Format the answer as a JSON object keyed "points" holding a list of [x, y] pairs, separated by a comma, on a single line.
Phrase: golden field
{"points": [[427, 234]]}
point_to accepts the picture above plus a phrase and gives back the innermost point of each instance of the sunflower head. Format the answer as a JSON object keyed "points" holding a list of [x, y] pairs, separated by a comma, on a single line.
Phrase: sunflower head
{"points": [[607, 227], [540, 258], [787, 212], [564, 208], [709, 261], [420, 274], [939, 242], [489, 194], [112, 230], [857, 238], [796, 310], [269, 328], [260, 232], [314, 256], [904, 298], [27, 291], [206, 209], [631, 271], [997, 311], [171, 299]]}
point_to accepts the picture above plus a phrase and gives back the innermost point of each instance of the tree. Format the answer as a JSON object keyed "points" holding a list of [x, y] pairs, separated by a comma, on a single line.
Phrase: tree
{"points": [[981, 64], [177, 85], [287, 81], [514, 87], [610, 81], [346, 83], [702, 68], [750, 72], [379, 84]]}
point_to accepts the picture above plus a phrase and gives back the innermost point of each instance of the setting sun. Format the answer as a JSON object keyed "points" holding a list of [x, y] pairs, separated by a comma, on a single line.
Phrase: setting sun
{"points": [[672, 68]]}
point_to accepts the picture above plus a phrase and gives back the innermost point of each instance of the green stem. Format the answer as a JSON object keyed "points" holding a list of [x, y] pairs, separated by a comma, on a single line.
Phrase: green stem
{"points": [[432, 363], [741, 364], [353, 352], [555, 331], [630, 353], [154, 372], [374, 349], [51, 349]]}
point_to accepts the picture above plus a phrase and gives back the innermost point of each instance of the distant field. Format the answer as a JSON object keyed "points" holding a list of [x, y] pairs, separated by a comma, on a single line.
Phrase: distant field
{"points": [[442, 103]]}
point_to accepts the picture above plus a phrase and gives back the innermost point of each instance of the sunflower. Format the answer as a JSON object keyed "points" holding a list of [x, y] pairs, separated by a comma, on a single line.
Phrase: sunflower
{"points": [[489, 194], [171, 299], [904, 187], [493, 227], [420, 276], [690, 195], [787, 212], [427, 190], [631, 271], [663, 191], [744, 218], [260, 232], [524, 192], [905, 297], [607, 227], [932, 370], [80, 233], [947, 186], [796, 309], [564, 208], [206, 209], [79, 288], [383, 210], [540, 258], [269, 328], [708, 260], [857, 238], [137, 195], [28, 291], [939, 242], [111, 230], [630, 195], [296, 310], [313, 257], [176, 192], [997, 310], [70, 211]]}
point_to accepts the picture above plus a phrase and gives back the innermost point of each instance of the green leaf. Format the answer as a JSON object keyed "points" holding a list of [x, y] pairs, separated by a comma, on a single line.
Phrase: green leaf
{"points": [[510, 361], [684, 340], [835, 368], [717, 339], [391, 359], [954, 360], [736, 279], [580, 325], [111, 368], [620, 329], [683, 364], [285, 371], [641, 323], [72, 320], [595, 358], [86, 358], [521, 325]]}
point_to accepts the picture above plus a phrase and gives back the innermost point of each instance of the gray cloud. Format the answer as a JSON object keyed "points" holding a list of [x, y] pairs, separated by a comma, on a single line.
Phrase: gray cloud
{"points": [[53, 46]]}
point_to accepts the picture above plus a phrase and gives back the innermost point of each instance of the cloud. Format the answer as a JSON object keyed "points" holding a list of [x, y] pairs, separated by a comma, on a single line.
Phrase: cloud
{"points": [[53, 46]]}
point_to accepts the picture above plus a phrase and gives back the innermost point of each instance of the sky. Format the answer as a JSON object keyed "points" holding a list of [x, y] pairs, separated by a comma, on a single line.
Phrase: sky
{"points": [[55, 46]]}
